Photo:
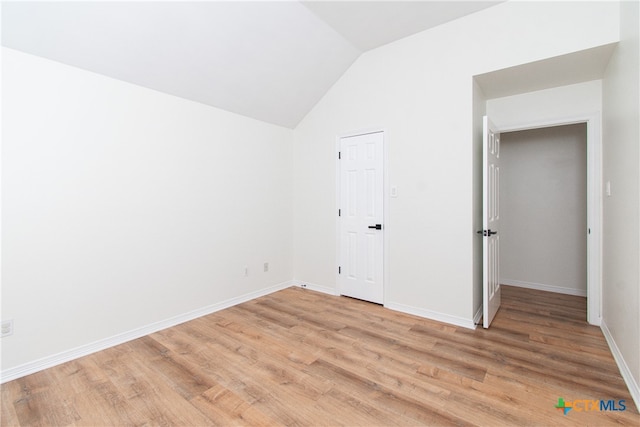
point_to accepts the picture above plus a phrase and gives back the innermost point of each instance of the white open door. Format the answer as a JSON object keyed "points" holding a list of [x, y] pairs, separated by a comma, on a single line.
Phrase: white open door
{"points": [[361, 217], [490, 222]]}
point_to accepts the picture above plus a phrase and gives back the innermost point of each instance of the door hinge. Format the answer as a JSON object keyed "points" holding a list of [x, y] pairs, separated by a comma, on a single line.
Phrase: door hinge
{"points": [[339, 212], [339, 155], [339, 270]]}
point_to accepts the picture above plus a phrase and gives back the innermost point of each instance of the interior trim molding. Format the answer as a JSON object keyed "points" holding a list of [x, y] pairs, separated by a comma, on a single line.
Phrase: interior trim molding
{"points": [[318, 288], [627, 376], [433, 315], [84, 350], [543, 287]]}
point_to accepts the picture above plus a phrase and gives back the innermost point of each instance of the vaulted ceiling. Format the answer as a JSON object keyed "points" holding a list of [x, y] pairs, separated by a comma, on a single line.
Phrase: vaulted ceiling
{"points": [[269, 60]]}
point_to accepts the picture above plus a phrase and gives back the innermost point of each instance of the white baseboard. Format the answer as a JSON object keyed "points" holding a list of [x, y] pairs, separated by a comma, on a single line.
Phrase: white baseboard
{"points": [[428, 314], [433, 315], [627, 376], [543, 287], [314, 287], [84, 350]]}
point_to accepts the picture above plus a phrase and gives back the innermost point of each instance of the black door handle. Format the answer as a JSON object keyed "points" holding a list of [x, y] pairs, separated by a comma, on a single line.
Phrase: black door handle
{"points": [[377, 226], [486, 232]]}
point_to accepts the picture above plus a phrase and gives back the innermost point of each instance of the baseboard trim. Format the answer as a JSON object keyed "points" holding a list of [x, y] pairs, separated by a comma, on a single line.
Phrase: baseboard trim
{"points": [[632, 384], [427, 314], [432, 315], [314, 287], [543, 287], [85, 350]]}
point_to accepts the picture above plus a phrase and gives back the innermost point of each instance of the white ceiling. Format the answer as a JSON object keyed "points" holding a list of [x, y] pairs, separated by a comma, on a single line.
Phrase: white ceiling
{"points": [[270, 60], [370, 24]]}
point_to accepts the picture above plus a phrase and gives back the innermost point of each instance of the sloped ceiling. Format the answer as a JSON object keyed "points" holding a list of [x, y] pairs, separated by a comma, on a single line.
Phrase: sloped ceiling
{"points": [[269, 60]]}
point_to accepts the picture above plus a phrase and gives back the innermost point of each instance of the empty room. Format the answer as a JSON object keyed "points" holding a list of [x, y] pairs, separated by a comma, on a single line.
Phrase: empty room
{"points": [[320, 213]]}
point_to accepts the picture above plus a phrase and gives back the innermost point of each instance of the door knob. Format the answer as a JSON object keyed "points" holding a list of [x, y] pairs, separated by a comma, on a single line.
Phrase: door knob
{"points": [[377, 226]]}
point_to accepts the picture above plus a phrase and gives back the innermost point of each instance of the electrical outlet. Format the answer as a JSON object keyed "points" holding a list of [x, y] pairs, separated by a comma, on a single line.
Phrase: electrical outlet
{"points": [[266, 267], [7, 328]]}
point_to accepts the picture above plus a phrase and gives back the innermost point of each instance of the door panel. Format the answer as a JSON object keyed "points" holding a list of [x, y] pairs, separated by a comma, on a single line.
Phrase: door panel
{"points": [[361, 207], [490, 222]]}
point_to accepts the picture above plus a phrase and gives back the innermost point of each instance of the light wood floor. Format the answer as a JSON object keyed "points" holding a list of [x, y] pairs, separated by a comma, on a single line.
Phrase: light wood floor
{"points": [[297, 357]]}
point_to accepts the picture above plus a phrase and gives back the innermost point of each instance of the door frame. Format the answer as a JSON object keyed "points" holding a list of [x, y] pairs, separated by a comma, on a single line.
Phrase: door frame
{"points": [[385, 201], [594, 202]]}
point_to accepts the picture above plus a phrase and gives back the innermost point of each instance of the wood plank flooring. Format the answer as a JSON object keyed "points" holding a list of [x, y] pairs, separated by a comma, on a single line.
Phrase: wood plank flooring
{"points": [[297, 357]]}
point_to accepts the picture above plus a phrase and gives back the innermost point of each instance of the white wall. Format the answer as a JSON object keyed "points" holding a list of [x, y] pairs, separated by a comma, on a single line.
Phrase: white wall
{"points": [[421, 90], [123, 206], [543, 204], [621, 215], [479, 111], [529, 109]]}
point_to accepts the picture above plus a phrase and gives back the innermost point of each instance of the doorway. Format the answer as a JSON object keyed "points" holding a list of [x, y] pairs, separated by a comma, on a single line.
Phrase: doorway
{"points": [[544, 209], [361, 215], [593, 203]]}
